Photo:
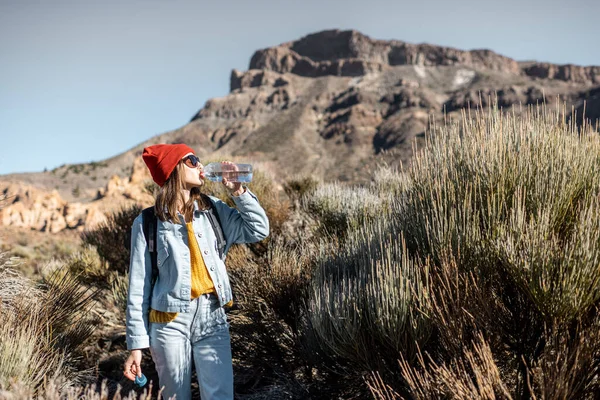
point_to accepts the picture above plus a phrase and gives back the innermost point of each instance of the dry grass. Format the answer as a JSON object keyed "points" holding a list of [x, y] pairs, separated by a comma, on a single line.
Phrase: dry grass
{"points": [[36, 249]]}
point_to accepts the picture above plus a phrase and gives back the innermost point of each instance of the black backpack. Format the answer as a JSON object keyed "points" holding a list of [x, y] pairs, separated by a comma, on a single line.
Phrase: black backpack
{"points": [[150, 224]]}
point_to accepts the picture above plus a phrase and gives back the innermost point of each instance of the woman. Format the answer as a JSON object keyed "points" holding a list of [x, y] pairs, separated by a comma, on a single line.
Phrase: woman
{"points": [[181, 316]]}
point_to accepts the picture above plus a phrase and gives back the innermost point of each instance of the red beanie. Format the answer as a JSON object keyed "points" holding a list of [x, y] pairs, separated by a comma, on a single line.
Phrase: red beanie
{"points": [[162, 159]]}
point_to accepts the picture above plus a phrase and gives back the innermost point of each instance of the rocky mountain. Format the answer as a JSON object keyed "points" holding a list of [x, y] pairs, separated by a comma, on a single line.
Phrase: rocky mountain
{"points": [[333, 104]]}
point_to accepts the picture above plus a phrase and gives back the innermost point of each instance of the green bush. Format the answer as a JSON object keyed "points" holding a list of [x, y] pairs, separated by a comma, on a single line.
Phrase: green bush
{"points": [[366, 296], [340, 208], [508, 207], [478, 269]]}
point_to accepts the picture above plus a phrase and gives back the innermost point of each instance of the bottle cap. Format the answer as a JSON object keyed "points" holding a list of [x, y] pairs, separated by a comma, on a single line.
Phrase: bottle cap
{"points": [[140, 381]]}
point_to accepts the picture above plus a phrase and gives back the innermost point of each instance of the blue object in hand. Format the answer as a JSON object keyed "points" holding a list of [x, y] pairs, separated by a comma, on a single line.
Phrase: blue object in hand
{"points": [[140, 381]]}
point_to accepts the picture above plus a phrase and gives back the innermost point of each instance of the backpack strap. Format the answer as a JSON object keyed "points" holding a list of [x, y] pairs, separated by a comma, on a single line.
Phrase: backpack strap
{"points": [[215, 222], [150, 228]]}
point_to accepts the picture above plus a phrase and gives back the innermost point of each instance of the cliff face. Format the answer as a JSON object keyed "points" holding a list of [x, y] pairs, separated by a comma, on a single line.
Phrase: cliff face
{"points": [[350, 53], [566, 73], [332, 104]]}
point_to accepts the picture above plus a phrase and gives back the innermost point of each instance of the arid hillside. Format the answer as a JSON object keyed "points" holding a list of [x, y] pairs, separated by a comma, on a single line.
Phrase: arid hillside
{"points": [[332, 104]]}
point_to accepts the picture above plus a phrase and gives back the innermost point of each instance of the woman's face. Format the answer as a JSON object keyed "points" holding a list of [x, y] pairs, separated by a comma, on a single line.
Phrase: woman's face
{"points": [[193, 176]]}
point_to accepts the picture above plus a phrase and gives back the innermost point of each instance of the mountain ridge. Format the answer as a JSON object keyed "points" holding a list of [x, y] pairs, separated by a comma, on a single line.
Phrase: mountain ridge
{"points": [[335, 103]]}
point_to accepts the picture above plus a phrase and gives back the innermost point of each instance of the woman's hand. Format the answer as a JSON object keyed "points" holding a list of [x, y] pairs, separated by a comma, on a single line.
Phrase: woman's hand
{"points": [[234, 188], [133, 366]]}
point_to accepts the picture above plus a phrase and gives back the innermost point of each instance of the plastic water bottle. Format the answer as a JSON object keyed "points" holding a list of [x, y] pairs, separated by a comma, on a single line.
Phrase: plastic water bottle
{"points": [[140, 381], [233, 173]]}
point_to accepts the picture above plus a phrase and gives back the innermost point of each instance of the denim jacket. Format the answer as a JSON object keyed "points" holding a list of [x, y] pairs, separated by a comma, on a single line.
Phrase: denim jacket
{"points": [[171, 291]]}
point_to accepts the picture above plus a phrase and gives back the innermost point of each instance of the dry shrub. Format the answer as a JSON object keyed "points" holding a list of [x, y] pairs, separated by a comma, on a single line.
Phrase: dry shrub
{"points": [[54, 389], [266, 320], [300, 186], [506, 208], [379, 389], [12, 283], [44, 332], [238, 256], [473, 375], [23, 356], [275, 203], [264, 345], [569, 367], [390, 183], [26, 354], [340, 208], [118, 292], [86, 264], [281, 283], [286, 280], [111, 238], [490, 241]]}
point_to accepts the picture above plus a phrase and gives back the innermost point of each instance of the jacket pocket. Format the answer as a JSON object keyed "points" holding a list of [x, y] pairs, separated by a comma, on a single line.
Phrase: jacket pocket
{"points": [[162, 255]]}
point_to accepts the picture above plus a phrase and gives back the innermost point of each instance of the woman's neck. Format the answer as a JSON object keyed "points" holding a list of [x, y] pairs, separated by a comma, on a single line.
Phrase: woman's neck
{"points": [[185, 197]]}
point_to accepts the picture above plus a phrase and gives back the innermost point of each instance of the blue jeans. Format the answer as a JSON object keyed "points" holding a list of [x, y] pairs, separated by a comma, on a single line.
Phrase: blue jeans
{"points": [[201, 336]]}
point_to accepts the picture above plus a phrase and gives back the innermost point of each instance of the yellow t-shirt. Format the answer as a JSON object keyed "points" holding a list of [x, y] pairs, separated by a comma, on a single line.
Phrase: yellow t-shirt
{"points": [[201, 281]]}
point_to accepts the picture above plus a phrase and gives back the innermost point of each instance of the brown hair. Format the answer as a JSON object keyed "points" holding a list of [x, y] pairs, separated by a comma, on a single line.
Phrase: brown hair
{"points": [[170, 197]]}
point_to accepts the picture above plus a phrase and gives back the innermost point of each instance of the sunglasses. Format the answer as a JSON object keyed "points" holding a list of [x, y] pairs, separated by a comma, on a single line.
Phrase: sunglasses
{"points": [[191, 161]]}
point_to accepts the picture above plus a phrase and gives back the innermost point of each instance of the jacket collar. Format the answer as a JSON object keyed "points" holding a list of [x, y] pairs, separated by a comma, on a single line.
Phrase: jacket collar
{"points": [[197, 210]]}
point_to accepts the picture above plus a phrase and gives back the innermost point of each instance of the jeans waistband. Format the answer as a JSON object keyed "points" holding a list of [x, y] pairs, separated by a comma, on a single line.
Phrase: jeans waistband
{"points": [[209, 296]]}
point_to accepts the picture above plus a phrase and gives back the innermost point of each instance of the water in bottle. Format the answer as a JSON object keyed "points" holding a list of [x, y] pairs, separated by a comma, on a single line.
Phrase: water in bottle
{"points": [[232, 172]]}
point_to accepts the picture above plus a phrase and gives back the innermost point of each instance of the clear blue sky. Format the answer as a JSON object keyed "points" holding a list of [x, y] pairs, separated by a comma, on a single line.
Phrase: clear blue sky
{"points": [[85, 80]]}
